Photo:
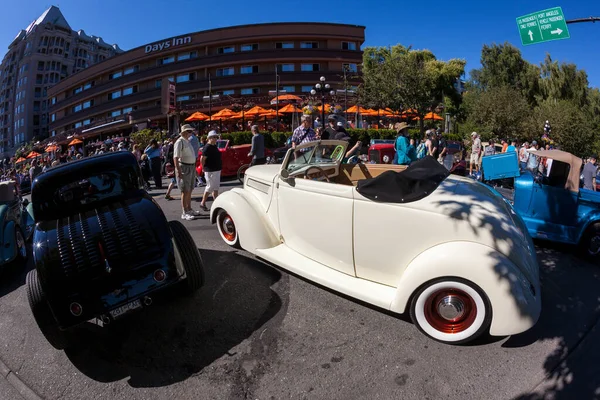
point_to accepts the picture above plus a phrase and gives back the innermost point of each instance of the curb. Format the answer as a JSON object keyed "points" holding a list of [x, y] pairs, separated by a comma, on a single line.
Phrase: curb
{"points": [[26, 392]]}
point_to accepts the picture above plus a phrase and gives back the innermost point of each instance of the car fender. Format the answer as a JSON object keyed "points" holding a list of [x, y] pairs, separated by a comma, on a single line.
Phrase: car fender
{"points": [[28, 221], [254, 229], [9, 246], [514, 308], [589, 219]]}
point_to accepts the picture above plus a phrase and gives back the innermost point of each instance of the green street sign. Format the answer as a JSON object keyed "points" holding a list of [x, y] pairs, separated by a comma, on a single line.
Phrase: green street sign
{"points": [[543, 26]]}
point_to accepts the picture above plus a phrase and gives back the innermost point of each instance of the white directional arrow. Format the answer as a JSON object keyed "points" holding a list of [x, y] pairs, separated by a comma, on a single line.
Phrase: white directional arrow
{"points": [[557, 31], [530, 35]]}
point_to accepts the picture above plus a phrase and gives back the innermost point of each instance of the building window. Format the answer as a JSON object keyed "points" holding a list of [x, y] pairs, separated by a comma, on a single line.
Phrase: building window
{"points": [[289, 89], [87, 122], [131, 70], [77, 90], [284, 45], [249, 47], [52, 117], [186, 77], [225, 71], [310, 67], [249, 91], [114, 95], [309, 45], [187, 56], [115, 113], [348, 46], [77, 108], [226, 92], [53, 100], [53, 133], [88, 104], [40, 66], [306, 89], [285, 67], [115, 75], [129, 90], [158, 83], [184, 98], [165, 60], [127, 110], [350, 67], [77, 125], [225, 50], [249, 69], [88, 85]]}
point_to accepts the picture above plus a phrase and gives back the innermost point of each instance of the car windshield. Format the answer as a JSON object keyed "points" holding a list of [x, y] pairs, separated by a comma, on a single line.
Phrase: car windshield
{"points": [[221, 144], [317, 154]]}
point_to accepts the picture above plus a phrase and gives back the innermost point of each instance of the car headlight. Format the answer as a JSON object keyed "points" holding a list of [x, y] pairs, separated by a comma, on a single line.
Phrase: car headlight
{"points": [[386, 159]]}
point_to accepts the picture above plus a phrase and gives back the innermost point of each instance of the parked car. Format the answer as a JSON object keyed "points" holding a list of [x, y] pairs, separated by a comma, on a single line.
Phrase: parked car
{"points": [[415, 239], [16, 225], [233, 157], [103, 247], [552, 204]]}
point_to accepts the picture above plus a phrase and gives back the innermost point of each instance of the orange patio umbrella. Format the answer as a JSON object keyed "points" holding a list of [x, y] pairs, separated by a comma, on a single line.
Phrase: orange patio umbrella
{"points": [[409, 112], [75, 142], [197, 116], [270, 113], [284, 98], [369, 112], [290, 108], [327, 108], [225, 113], [354, 109], [431, 116], [255, 111], [20, 160], [51, 148], [33, 154]]}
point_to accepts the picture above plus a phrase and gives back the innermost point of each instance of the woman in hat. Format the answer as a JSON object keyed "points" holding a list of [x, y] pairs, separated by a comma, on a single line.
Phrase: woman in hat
{"points": [[402, 146]]}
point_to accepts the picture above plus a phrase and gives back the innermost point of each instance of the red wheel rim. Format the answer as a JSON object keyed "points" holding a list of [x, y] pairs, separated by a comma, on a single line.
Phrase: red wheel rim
{"points": [[228, 227], [450, 310]]}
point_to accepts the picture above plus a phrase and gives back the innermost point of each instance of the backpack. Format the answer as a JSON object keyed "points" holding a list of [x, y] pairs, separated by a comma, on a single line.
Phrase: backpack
{"points": [[421, 151]]}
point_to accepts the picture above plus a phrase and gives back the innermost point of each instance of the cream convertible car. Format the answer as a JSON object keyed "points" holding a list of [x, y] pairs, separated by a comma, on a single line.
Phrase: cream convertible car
{"points": [[448, 250]]}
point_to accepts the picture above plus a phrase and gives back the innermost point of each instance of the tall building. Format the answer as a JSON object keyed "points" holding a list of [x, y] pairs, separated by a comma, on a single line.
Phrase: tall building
{"points": [[39, 57], [234, 65]]}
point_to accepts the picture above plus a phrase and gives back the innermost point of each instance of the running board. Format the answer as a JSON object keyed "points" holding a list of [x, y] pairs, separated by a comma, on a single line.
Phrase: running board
{"points": [[367, 291]]}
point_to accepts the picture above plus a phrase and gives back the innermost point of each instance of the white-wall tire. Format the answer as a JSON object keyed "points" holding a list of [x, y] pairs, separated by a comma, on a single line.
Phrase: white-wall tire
{"points": [[227, 229], [451, 310]]}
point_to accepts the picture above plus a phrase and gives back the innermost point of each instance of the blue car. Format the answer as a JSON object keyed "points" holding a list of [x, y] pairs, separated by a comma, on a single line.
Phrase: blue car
{"points": [[552, 204], [16, 216]]}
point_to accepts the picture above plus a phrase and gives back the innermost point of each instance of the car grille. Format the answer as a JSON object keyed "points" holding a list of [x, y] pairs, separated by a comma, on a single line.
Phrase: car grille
{"points": [[374, 156], [106, 238]]}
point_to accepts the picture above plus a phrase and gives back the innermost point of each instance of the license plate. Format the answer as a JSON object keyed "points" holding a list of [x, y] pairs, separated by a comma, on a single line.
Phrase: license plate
{"points": [[134, 305]]}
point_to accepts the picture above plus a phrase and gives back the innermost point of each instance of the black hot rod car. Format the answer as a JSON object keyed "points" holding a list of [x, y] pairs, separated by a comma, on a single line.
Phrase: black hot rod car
{"points": [[102, 246]]}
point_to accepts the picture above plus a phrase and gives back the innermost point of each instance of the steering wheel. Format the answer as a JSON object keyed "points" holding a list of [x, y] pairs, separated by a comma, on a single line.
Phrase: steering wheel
{"points": [[320, 170]]}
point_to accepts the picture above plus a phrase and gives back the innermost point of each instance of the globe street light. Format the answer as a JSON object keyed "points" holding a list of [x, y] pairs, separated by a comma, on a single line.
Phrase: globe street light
{"points": [[323, 89]]}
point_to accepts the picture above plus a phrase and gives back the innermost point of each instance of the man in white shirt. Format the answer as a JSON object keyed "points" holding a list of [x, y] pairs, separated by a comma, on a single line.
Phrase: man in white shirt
{"points": [[185, 164]]}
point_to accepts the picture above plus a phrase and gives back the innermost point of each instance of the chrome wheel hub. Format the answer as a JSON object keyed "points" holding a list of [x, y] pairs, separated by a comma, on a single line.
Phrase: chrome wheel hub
{"points": [[594, 247], [228, 226], [451, 308]]}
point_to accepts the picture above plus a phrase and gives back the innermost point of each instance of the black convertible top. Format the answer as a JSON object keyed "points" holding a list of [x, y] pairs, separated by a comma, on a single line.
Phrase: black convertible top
{"points": [[419, 180]]}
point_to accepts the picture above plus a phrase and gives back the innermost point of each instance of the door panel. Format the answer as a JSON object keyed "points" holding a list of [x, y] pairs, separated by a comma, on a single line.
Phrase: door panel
{"points": [[552, 213], [315, 220]]}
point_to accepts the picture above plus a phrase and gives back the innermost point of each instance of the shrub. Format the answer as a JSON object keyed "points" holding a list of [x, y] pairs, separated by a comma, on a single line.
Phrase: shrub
{"points": [[144, 137]]}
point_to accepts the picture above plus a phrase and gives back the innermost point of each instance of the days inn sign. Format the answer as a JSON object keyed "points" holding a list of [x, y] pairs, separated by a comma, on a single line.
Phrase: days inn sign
{"points": [[168, 43]]}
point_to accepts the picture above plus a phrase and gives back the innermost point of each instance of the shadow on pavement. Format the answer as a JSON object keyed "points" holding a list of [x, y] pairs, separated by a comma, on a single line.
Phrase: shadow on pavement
{"points": [[13, 276], [173, 340]]}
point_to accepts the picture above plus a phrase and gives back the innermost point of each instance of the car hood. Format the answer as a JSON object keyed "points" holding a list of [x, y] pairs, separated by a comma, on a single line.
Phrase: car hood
{"points": [[264, 173], [476, 212]]}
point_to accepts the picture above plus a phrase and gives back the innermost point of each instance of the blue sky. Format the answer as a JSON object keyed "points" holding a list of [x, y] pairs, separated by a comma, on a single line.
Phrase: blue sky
{"points": [[449, 29]]}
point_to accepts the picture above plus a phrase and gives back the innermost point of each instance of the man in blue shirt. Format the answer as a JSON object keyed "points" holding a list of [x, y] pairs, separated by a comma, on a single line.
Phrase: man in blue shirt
{"points": [[589, 174], [512, 147], [153, 153]]}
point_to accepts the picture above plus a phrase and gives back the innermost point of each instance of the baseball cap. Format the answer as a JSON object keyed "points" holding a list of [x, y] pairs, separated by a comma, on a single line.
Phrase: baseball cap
{"points": [[212, 134], [534, 143]]}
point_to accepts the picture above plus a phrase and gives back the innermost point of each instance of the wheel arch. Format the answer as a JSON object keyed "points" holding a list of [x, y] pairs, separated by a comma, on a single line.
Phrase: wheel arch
{"points": [[514, 309], [254, 229], [591, 219]]}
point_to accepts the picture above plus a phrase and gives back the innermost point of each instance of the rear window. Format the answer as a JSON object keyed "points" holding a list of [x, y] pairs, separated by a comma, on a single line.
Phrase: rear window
{"points": [[87, 191]]}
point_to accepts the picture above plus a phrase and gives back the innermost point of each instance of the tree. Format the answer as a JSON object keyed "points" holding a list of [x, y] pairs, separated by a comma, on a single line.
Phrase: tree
{"points": [[563, 81], [402, 79], [571, 127], [501, 111]]}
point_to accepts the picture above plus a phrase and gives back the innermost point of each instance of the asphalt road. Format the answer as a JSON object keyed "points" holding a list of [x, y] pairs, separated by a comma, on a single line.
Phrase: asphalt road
{"points": [[254, 332]]}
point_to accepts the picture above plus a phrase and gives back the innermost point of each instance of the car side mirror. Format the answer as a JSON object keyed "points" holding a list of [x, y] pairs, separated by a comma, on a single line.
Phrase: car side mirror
{"points": [[285, 176]]}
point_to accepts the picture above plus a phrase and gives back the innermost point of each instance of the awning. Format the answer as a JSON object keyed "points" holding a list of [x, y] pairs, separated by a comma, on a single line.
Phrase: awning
{"points": [[103, 126]]}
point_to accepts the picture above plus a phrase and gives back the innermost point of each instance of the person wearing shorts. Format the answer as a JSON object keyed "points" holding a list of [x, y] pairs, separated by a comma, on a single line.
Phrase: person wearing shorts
{"points": [[185, 173], [211, 165], [475, 153]]}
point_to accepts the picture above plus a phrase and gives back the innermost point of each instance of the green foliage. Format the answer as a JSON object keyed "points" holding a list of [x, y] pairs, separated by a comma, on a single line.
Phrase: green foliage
{"points": [[402, 78], [144, 137], [563, 82]]}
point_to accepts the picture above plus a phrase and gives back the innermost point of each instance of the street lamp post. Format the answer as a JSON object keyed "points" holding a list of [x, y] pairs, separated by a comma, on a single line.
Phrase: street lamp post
{"points": [[322, 88], [276, 100]]}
